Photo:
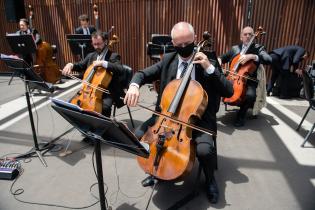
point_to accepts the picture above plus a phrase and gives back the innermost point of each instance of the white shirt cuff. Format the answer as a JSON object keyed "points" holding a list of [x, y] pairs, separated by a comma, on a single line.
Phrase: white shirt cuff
{"points": [[210, 69], [134, 84], [105, 64], [256, 58]]}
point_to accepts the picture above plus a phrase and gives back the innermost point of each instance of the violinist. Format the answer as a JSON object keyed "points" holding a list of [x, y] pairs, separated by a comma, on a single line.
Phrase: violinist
{"points": [[84, 28], [255, 53], [24, 26], [172, 66], [102, 56]]}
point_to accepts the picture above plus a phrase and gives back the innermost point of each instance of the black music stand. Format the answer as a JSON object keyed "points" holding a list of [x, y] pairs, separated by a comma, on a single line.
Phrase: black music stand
{"points": [[101, 129], [21, 44], [80, 44], [159, 45], [31, 79]]}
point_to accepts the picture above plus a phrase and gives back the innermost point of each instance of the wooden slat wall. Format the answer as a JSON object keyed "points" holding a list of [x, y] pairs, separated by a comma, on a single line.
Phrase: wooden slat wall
{"points": [[286, 22]]}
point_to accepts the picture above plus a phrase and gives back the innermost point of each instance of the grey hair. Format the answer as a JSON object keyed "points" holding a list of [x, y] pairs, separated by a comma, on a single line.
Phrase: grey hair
{"points": [[179, 24]]}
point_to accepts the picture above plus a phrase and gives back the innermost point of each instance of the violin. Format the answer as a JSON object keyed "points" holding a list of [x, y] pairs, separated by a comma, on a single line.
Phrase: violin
{"points": [[172, 153], [45, 66], [239, 73]]}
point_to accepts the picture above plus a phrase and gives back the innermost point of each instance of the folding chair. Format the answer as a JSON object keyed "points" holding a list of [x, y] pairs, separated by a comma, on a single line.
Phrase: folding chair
{"points": [[127, 79], [309, 95]]}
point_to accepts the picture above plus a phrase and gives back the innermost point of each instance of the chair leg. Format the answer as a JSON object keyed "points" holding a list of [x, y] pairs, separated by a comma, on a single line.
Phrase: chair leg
{"points": [[308, 109], [216, 153], [133, 125], [308, 135]]}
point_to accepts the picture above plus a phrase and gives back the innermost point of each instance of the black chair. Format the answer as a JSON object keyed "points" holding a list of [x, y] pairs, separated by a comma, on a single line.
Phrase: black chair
{"points": [[125, 83], [309, 95]]}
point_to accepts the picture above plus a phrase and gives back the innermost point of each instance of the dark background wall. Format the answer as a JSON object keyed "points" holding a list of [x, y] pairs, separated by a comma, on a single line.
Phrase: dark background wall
{"points": [[285, 21]]}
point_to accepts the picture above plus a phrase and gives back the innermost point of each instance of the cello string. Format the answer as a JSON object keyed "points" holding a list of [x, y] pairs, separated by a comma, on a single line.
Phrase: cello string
{"points": [[246, 77]]}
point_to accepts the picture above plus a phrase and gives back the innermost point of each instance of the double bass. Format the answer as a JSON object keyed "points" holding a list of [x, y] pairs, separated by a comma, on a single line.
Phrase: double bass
{"points": [[172, 153], [45, 66], [239, 73]]}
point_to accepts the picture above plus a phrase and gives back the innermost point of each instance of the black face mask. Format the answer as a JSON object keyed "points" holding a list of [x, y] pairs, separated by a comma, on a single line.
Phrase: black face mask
{"points": [[185, 51]]}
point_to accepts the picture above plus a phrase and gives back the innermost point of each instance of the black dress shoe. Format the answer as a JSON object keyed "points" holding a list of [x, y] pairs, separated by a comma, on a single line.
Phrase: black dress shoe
{"points": [[149, 181], [213, 191], [87, 140], [239, 122], [268, 93]]}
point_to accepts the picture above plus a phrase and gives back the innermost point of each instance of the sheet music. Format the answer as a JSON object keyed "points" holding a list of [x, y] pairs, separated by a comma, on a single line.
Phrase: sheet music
{"points": [[66, 104], [4, 56], [146, 146]]}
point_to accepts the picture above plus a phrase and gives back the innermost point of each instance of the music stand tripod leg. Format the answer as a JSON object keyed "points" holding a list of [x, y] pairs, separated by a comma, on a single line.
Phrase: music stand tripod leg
{"points": [[29, 107], [82, 46], [99, 169], [12, 76]]}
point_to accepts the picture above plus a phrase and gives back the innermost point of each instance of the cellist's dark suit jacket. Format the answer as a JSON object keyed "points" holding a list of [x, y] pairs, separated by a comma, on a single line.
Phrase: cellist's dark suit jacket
{"points": [[79, 30], [264, 58], [214, 84], [115, 87]]}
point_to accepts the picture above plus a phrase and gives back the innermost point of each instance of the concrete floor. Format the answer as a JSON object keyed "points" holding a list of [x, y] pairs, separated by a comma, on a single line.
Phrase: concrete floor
{"points": [[261, 165]]}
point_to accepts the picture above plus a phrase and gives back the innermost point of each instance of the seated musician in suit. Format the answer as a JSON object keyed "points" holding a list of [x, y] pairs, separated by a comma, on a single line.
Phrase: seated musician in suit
{"points": [[255, 53], [212, 81], [84, 28], [102, 56], [282, 60], [24, 26]]}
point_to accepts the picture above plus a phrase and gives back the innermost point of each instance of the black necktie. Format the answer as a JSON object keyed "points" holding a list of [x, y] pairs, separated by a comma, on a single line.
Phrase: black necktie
{"points": [[185, 64]]}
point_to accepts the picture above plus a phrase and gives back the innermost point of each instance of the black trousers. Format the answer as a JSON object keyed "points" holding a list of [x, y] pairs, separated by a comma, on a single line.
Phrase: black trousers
{"points": [[107, 105], [277, 72], [205, 147], [250, 98]]}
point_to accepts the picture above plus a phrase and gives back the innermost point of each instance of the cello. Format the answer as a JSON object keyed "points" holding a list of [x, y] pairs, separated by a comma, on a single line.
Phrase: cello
{"points": [[45, 66], [172, 153], [239, 73]]}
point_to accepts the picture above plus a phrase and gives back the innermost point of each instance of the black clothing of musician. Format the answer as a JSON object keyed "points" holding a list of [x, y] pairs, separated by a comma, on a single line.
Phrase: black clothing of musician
{"points": [[84, 28], [256, 53], [111, 62], [25, 29], [212, 81], [282, 59]]}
